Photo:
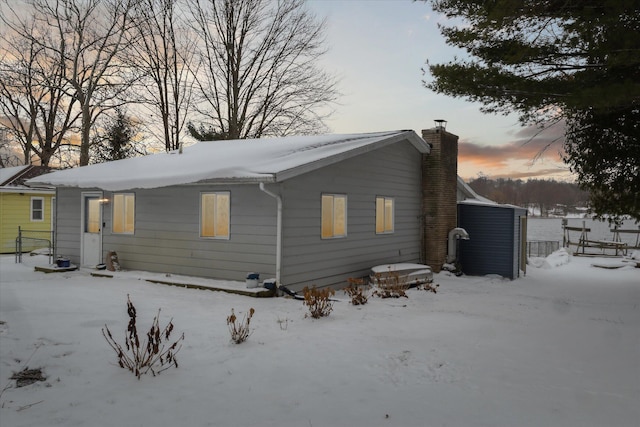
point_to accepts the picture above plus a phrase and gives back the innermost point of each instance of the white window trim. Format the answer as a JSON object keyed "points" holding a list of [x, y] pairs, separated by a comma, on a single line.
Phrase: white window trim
{"points": [[31, 210], [393, 215], [228, 236], [130, 233], [346, 210]]}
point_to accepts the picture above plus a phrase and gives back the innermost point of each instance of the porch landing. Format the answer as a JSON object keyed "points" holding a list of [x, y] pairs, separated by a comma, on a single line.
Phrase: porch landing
{"points": [[55, 269], [232, 287]]}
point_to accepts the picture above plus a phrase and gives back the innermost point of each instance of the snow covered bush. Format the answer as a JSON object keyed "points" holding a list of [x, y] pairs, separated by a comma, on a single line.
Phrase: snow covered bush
{"points": [[151, 355], [357, 291], [239, 330], [318, 301]]}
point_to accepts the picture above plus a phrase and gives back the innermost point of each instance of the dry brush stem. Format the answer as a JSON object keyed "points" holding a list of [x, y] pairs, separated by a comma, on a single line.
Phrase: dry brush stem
{"points": [[240, 330], [391, 285], [318, 301], [357, 291], [153, 355], [431, 287]]}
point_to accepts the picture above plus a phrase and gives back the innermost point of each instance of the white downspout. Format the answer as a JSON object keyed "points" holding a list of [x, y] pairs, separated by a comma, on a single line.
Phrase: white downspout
{"points": [[278, 230]]}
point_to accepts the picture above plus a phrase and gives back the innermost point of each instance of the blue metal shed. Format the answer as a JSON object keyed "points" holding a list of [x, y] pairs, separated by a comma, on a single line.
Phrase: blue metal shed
{"points": [[498, 236]]}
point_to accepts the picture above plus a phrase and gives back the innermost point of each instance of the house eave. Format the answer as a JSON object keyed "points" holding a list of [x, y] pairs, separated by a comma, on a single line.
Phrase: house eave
{"points": [[267, 179], [27, 190]]}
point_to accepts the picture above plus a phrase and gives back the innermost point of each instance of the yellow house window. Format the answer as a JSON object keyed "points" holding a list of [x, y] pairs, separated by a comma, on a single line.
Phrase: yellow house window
{"points": [[124, 207], [384, 215], [334, 216], [37, 209], [215, 214]]}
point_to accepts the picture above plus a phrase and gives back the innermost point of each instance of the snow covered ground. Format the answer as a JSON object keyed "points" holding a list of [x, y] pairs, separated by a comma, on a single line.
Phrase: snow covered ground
{"points": [[559, 347]]}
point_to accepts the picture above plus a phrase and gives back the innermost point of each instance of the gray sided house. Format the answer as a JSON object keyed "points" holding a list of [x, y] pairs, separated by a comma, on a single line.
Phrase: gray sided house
{"points": [[311, 210], [498, 235]]}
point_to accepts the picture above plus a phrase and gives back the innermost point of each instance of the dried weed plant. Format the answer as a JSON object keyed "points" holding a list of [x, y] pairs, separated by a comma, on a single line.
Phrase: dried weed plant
{"points": [[239, 330], [357, 291], [318, 301], [284, 323], [431, 287], [152, 355], [390, 285]]}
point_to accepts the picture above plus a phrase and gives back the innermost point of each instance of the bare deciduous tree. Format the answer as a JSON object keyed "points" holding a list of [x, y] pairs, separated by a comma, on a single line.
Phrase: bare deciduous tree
{"points": [[259, 73], [38, 113], [88, 34], [163, 51]]}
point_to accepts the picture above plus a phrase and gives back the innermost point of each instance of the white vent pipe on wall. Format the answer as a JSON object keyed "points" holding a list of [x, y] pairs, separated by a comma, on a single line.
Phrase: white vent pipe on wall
{"points": [[454, 235], [278, 230]]}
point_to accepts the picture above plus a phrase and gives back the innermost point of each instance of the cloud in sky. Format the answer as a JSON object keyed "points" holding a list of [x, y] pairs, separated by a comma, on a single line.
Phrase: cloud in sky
{"points": [[530, 153]]}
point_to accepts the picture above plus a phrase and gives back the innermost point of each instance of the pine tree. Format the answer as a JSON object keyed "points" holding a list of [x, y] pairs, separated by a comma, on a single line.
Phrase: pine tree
{"points": [[116, 140], [551, 61]]}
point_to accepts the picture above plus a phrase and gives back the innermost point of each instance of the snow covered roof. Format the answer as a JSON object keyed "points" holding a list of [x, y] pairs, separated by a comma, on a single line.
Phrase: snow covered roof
{"points": [[473, 198], [250, 160], [12, 179], [470, 196], [6, 174]]}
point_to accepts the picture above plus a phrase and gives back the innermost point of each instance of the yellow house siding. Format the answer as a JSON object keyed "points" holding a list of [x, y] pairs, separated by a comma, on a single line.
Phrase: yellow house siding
{"points": [[15, 211]]}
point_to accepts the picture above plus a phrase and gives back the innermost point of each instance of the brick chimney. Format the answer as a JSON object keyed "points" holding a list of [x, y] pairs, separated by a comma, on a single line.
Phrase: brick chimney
{"points": [[439, 193]]}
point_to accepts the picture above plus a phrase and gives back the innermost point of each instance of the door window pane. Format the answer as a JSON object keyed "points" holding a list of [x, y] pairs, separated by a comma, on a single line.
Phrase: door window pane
{"points": [[92, 215]]}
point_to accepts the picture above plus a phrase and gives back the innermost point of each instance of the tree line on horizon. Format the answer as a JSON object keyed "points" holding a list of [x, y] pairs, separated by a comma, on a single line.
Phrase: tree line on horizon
{"points": [[546, 195]]}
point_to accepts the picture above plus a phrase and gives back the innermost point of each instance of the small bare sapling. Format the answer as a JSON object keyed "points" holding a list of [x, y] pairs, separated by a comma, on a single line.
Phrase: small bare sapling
{"points": [[239, 330], [151, 355]]}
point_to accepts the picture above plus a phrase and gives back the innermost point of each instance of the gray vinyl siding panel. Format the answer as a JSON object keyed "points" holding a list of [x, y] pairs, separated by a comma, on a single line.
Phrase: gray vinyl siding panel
{"points": [[68, 223], [167, 234], [308, 259]]}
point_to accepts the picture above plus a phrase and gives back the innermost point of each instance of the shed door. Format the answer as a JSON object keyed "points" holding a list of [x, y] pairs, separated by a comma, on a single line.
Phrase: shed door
{"points": [[91, 229]]}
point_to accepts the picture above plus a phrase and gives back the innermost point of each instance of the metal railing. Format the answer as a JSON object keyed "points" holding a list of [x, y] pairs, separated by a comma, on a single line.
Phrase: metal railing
{"points": [[30, 240]]}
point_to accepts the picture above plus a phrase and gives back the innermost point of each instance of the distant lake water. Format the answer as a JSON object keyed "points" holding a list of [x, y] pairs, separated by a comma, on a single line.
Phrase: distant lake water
{"points": [[551, 229]]}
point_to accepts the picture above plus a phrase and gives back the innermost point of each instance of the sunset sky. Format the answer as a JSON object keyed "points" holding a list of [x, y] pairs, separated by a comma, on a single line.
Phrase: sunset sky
{"points": [[378, 47]]}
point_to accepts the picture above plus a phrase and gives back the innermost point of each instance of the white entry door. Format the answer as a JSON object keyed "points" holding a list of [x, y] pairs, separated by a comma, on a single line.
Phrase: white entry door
{"points": [[91, 240]]}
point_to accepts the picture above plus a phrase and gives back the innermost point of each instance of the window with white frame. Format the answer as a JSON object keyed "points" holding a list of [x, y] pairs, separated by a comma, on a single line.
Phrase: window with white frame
{"points": [[37, 209], [215, 214], [124, 211], [384, 215], [334, 216]]}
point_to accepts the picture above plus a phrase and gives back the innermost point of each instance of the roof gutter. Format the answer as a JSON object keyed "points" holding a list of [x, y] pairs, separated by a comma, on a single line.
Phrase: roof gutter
{"points": [[27, 190], [278, 230]]}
